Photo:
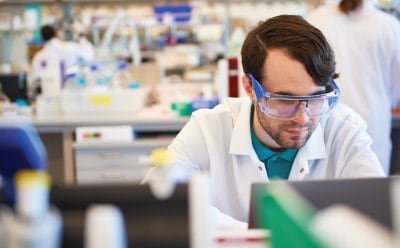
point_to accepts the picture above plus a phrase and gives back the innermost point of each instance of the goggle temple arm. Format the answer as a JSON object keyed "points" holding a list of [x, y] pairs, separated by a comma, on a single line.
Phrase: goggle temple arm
{"points": [[334, 86], [256, 86]]}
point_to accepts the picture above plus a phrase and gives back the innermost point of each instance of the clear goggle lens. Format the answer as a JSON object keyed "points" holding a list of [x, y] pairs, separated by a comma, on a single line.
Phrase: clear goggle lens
{"points": [[282, 106]]}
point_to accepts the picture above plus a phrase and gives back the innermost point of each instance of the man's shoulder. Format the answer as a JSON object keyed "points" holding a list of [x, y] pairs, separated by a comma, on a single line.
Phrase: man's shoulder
{"points": [[228, 105], [228, 109], [38, 56], [343, 109], [344, 115]]}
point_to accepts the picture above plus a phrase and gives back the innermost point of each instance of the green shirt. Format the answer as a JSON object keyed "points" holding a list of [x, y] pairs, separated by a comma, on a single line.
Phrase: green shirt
{"points": [[277, 164]]}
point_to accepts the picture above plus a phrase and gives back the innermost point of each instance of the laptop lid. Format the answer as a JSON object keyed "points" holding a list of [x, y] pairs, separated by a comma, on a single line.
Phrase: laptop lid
{"points": [[370, 196]]}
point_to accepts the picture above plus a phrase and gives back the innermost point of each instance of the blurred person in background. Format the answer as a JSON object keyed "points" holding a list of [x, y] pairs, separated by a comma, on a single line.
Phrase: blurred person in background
{"points": [[366, 42], [69, 54]]}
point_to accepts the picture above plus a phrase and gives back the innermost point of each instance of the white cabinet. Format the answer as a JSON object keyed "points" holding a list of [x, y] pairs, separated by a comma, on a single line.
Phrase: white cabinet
{"points": [[114, 162]]}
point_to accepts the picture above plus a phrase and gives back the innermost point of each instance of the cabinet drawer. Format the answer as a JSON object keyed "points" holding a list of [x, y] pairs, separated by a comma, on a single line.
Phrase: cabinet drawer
{"points": [[102, 176], [118, 158]]}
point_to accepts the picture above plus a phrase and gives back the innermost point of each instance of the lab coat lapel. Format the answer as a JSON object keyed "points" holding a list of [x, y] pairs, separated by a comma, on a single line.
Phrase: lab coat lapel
{"points": [[241, 139], [314, 149]]}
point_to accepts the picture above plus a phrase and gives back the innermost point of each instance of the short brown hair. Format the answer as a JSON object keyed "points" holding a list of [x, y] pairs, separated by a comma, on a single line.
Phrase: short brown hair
{"points": [[47, 32], [302, 42]]}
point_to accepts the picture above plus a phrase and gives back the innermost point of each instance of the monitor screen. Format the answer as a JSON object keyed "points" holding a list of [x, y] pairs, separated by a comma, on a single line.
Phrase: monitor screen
{"points": [[14, 86], [149, 222], [370, 196]]}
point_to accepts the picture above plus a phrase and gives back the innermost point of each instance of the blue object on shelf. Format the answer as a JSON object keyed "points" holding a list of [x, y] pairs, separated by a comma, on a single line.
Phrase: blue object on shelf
{"points": [[181, 13]]}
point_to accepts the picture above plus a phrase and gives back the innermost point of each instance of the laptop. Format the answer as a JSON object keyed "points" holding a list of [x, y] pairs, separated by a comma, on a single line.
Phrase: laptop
{"points": [[370, 196]]}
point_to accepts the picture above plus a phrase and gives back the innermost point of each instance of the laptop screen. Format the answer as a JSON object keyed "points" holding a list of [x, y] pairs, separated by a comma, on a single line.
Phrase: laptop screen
{"points": [[370, 196]]}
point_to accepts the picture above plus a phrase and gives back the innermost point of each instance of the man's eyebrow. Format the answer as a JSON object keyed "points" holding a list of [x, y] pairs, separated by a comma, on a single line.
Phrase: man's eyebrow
{"points": [[284, 93], [319, 92]]}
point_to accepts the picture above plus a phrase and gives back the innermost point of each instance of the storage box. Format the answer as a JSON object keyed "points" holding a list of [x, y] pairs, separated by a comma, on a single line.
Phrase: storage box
{"points": [[121, 101]]}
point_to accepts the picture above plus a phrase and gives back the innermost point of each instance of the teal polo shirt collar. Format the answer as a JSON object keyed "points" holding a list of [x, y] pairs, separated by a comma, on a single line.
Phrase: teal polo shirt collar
{"points": [[278, 164], [264, 153]]}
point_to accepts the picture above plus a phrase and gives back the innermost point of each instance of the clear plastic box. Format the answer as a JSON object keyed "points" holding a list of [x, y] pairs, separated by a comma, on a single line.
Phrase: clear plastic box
{"points": [[99, 102]]}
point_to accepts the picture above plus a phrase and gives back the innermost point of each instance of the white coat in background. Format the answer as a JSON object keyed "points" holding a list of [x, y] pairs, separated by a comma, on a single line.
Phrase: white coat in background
{"points": [[56, 50], [68, 52], [218, 142], [367, 51]]}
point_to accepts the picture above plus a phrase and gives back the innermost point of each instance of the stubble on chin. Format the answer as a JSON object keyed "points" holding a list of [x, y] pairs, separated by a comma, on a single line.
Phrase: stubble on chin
{"points": [[276, 130]]}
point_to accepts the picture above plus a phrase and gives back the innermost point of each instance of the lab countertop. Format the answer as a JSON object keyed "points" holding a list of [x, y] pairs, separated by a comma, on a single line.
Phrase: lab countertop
{"points": [[69, 123], [146, 124]]}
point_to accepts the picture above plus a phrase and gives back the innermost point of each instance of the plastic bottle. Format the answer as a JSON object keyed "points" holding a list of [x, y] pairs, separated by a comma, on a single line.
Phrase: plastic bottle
{"points": [[165, 174], [33, 224], [74, 81], [104, 227], [122, 78], [99, 77], [92, 75]]}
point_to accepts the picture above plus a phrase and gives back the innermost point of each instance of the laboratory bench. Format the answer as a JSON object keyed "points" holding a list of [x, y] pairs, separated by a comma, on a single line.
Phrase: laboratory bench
{"points": [[71, 162], [66, 157]]}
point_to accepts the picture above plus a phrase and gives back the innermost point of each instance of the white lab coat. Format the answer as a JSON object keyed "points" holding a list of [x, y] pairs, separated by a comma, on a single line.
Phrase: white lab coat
{"points": [[367, 51], [68, 52], [56, 51], [218, 142]]}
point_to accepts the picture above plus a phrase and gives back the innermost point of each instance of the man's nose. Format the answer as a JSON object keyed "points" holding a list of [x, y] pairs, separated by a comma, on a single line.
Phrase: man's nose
{"points": [[301, 115]]}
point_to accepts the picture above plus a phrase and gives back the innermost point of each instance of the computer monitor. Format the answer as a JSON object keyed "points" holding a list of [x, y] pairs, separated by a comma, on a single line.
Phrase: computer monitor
{"points": [[149, 222], [370, 196], [14, 86]]}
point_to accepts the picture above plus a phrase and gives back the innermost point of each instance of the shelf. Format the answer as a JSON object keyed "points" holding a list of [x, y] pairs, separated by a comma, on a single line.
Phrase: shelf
{"points": [[123, 1], [137, 143], [10, 2], [16, 2]]}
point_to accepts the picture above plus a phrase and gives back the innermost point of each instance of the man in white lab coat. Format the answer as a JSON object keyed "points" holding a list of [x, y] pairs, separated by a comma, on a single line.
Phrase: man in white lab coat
{"points": [[66, 54], [366, 42], [290, 127]]}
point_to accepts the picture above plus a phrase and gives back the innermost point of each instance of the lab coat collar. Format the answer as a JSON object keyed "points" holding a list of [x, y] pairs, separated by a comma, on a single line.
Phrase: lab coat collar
{"points": [[315, 146], [241, 139], [54, 42]]}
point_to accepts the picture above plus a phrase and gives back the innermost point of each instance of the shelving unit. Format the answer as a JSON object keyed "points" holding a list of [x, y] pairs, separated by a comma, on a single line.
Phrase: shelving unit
{"points": [[12, 2]]}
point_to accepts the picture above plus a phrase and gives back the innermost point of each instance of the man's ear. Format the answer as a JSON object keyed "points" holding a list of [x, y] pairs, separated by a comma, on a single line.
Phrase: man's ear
{"points": [[248, 87]]}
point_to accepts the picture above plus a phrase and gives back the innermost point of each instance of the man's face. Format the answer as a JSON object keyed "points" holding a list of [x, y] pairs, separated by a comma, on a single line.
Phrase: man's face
{"points": [[285, 76]]}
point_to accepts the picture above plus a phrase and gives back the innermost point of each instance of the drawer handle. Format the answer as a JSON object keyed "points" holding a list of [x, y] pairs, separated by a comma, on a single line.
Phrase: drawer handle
{"points": [[110, 155], [111, 175]]}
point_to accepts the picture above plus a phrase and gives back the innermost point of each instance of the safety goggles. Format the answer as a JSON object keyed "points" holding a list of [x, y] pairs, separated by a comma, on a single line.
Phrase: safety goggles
{"points": [[285, 106]]}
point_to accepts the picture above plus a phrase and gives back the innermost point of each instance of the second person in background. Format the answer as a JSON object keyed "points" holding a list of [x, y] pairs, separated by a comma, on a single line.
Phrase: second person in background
{"points": [[366, 42], [67, 54]]}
